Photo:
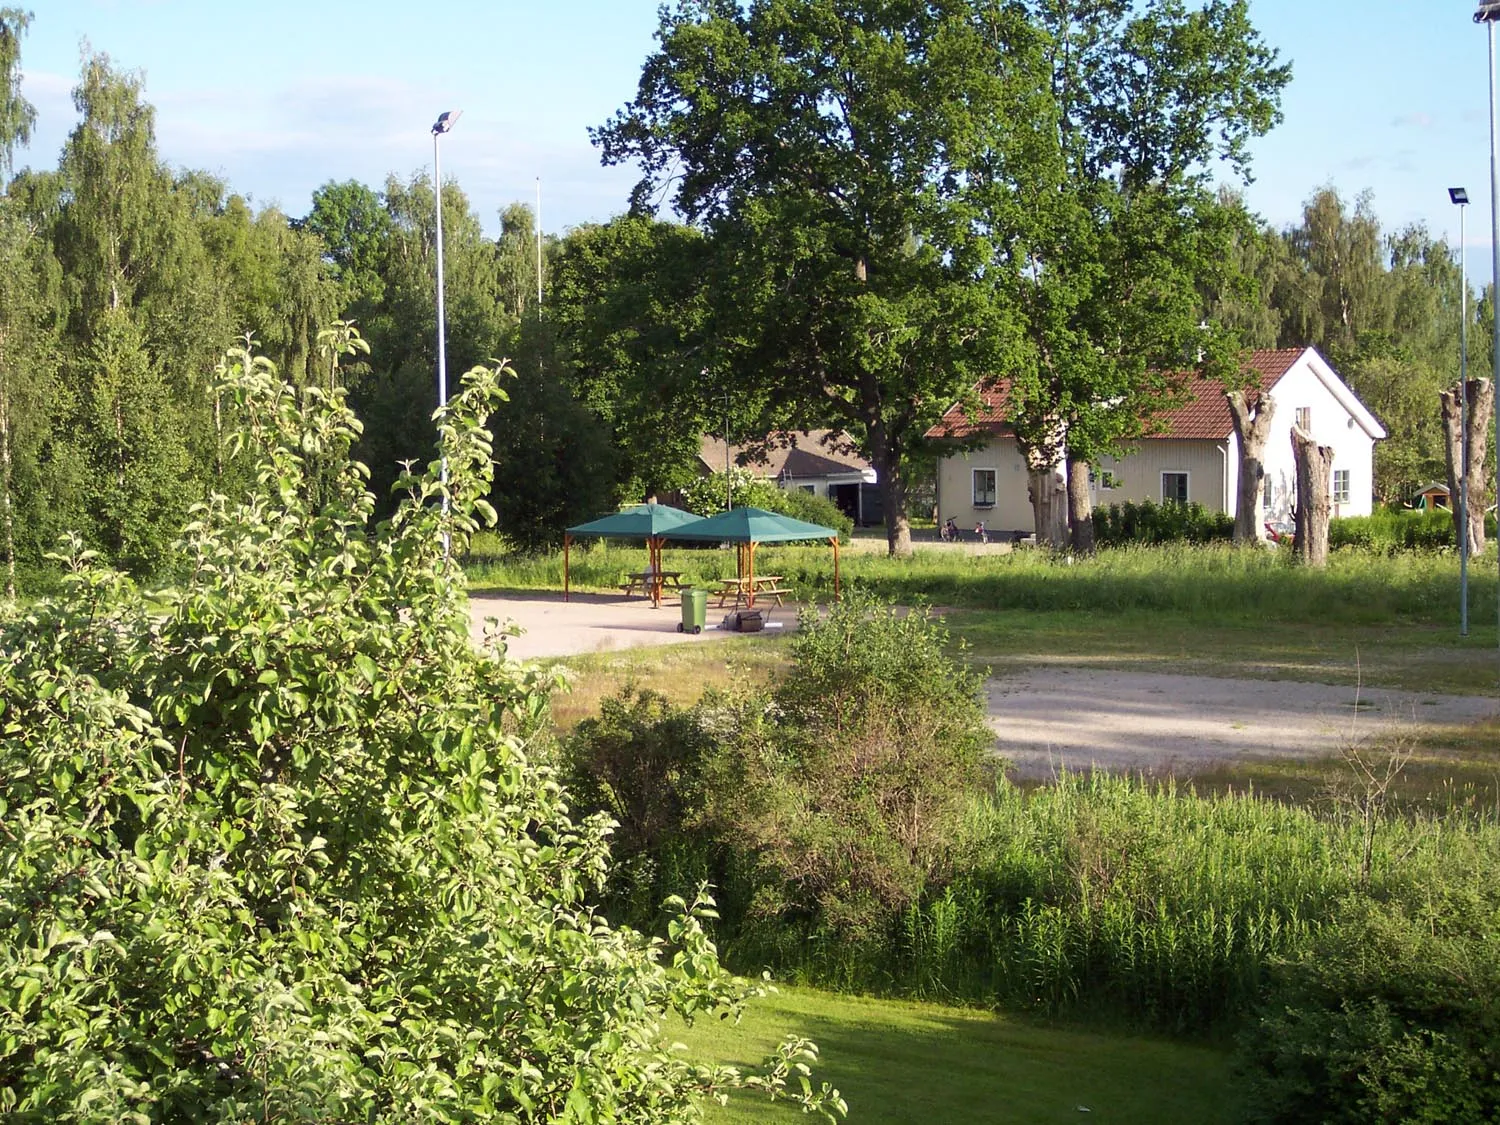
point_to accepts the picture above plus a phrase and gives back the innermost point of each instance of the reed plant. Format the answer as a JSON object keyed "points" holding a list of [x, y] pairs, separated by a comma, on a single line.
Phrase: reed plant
{"points": [[1141, 903]]}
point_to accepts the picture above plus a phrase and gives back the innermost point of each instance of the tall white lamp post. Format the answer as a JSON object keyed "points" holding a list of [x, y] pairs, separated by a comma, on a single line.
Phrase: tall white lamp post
{"points": [[1487, 13], [444, 124], [1460, 199]]}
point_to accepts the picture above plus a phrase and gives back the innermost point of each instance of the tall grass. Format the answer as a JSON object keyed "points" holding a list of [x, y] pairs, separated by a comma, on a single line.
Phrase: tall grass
{"points": [[1357, 587], [1156, 907]]}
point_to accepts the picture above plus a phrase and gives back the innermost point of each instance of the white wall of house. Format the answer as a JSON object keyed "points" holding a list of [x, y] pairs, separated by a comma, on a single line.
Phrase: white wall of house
{"points": [[1331, 423], [1154, 467]]}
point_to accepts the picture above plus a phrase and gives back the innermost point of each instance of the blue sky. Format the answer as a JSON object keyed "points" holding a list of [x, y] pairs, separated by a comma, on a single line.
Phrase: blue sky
{"points": [[279, 97]]}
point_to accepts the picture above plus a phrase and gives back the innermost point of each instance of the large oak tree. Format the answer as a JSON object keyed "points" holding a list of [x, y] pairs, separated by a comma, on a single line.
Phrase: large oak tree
{"points": [[846, 158]]}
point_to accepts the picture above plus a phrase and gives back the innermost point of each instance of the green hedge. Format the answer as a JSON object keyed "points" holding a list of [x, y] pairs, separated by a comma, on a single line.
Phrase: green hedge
{"points": [[1409, 530], [1119, 524]]}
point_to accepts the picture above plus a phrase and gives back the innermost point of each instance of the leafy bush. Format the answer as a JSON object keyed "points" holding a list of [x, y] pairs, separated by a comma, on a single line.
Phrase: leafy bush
{"points": [[845, 793], [1146, 522], [825, 806], [706, 496], [1392, 1014], [273, 844]]}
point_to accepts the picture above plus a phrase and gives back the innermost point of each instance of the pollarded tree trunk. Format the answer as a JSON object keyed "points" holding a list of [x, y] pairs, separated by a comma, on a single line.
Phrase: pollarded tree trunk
{"points": [[1080, 508], [1252, 426], [1049, 504], [1481, 408], [1314, 465]]}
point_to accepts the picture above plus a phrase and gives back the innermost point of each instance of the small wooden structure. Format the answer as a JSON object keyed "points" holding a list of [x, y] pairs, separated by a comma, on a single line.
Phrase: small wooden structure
{"points": [[1431, 496]]}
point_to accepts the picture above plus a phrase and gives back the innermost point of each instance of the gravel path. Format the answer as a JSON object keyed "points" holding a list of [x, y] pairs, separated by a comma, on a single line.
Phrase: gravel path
{"points": [[1153, 722], [600, 623], [1051, 718]]}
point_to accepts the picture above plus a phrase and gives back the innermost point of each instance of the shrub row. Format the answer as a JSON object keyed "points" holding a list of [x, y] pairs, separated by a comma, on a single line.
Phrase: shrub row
{"points": [[1150, 523]]}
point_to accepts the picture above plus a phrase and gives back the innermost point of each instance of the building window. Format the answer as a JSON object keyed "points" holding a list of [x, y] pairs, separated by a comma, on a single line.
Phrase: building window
{"points": [[1341, 486], [1269, 487], [984, 488], [1174, 488], [1304, 418], [810, 489], [1108, 479]]}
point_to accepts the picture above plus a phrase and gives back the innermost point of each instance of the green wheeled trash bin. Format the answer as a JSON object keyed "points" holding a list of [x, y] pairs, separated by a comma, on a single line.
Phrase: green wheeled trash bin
{"points": [[694, 611]]}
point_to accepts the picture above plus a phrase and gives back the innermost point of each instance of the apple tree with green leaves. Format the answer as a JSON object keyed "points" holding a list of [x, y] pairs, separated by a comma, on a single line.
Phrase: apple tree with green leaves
{"points": [[278, 842]]}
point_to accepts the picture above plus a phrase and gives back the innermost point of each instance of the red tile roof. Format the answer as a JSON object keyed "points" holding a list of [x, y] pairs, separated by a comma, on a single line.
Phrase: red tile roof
{"points": [[1204, 415]]}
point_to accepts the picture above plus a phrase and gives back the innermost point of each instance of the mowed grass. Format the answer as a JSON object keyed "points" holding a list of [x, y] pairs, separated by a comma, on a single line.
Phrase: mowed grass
{"points": [[901, 1062]]}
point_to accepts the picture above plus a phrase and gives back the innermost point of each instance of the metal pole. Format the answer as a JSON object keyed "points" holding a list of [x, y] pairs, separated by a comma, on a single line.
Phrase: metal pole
{"points": [[442, 342], [1495, 261], [728, 480], [1463, 434]]}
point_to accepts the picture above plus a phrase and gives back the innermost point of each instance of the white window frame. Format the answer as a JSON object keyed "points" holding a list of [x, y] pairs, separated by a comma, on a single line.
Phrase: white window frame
{"points": [[974, 488], [1187, 478], [1340, 496], [1304, 418], [1109, 480], [810, 489]]}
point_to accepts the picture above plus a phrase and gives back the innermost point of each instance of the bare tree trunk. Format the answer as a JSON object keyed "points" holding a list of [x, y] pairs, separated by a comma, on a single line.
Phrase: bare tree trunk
{"points": [[1080, 508], [1481, 394], [892, 493], [1314, 464], [1251, 427]]}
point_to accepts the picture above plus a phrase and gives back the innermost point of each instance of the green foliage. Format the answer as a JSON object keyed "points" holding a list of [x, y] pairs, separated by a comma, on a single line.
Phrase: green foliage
{"points": [[554, 463], [841, 158], [278, 843], [707, 496], [828, 805], [1146, 522], [630, 311], [1386, 530], [1390, 1015]]}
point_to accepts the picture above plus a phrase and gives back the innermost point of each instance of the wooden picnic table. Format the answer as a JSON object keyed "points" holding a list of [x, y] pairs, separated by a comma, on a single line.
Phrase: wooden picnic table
{"points": [[744, 591], [651, 582]]}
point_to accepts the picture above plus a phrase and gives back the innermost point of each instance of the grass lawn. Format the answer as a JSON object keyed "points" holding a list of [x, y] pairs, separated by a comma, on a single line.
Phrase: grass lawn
{"points": [[897, 1061]]}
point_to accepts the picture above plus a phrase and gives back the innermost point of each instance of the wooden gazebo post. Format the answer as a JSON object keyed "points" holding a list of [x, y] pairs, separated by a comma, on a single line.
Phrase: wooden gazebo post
{"points": [[834, 539], [567, 542]]}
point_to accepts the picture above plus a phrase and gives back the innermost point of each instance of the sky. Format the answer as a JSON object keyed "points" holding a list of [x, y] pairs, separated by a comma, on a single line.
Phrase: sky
{"points": [[1387, 96]]}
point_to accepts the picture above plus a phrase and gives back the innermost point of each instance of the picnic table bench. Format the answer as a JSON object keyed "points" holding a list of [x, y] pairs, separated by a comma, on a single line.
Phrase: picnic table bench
{"points": [[641, 581], [765, 586]]}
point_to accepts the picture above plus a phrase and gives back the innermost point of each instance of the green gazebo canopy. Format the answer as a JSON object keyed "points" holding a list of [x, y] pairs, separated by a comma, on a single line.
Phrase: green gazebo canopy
{"points": [[751, 525], [650, 522], [644, 521]]}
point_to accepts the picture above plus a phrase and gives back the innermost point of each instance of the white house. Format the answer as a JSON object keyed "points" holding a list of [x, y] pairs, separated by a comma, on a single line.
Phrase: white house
{"points": [[1192, 455], [816, 461]]}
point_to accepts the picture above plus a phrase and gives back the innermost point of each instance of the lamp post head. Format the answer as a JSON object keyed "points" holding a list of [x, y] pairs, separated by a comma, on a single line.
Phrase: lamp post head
{"points": [[1487, 12], [1457, 194], [448, 119]]}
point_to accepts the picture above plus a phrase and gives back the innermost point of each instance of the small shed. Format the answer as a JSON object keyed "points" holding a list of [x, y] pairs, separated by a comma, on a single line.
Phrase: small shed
{"points": [[1431, 496]]}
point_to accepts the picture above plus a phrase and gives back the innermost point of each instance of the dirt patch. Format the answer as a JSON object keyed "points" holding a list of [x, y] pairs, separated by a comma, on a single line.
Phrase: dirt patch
{"points": [[600, 623], [1148, 722]]}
